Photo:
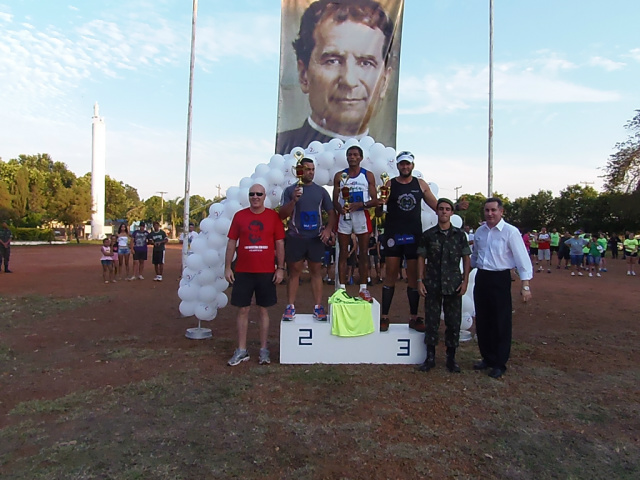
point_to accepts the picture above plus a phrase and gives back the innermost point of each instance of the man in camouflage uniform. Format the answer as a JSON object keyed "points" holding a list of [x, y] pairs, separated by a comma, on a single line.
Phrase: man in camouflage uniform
{"points": [[442, 283]]}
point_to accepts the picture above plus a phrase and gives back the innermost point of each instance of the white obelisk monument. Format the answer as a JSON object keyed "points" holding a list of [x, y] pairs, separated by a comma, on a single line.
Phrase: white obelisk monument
{"points": [[98, 160]]}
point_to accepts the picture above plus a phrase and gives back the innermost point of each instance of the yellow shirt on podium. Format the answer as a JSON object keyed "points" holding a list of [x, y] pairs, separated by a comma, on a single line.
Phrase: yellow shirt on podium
{"points": [[351, 317]]}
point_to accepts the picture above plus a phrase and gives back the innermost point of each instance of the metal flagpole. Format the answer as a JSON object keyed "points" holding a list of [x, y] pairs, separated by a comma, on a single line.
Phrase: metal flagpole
{"points": [[187, 173], [198, 332], [490, 170]]}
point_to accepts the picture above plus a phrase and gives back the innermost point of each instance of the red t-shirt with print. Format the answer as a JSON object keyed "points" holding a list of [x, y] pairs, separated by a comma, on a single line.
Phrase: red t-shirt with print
{"points": [[256, 234]]}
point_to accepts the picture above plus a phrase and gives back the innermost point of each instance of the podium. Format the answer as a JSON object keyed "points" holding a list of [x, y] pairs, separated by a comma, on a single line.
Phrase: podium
{"points": [[305, 341]]}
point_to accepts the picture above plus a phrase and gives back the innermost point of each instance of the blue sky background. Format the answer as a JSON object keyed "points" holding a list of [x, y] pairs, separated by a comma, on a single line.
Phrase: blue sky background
{"points": [[565, 82]]}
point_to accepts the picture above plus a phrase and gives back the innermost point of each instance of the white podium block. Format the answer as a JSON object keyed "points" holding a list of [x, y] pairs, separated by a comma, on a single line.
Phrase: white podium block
{"points": [[307, 341]]}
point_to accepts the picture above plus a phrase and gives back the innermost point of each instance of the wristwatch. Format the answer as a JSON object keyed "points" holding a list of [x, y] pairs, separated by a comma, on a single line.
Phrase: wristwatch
{"points": [[526, 288]]}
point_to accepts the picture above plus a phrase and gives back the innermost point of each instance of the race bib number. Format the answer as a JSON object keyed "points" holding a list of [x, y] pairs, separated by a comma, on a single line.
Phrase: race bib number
{"points": [[309, 220], [356, 197]]}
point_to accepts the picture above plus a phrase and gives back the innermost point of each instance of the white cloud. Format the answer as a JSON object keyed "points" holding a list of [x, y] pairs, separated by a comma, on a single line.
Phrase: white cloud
{"points": [[635, 54], [535, 81], [607, 64]]}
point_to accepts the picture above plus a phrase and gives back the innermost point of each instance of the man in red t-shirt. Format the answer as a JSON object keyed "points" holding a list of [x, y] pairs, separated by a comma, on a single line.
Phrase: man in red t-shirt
{"points": [[544, 249], [257, 234]]}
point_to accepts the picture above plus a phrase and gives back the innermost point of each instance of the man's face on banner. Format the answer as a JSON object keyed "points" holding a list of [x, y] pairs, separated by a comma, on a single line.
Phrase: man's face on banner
{"points": [[346, 77]]}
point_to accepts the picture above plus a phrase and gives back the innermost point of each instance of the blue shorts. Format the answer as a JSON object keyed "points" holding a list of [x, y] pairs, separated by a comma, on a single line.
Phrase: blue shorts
{"points": [[576, 259], [106, 262], [593, 260]]}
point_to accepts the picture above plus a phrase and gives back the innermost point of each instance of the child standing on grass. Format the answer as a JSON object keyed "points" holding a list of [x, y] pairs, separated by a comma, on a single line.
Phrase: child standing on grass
{"points": [[114, 249], [107, 261]]}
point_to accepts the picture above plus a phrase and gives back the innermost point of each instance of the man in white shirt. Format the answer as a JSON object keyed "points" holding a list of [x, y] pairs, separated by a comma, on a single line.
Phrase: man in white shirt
{"points": [[497, 249]]}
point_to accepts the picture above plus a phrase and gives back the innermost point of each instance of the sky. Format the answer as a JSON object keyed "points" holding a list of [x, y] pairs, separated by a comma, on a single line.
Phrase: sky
{"points": [[566, 77]]}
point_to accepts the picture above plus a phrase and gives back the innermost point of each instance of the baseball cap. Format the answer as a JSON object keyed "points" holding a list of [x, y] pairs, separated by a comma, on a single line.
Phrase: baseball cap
{"points": [[405, 156], [445, 200]]}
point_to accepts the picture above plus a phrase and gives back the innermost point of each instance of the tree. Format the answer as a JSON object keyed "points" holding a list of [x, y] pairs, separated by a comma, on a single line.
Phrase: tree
{"points": [[154, 208], [6, 202], [623, 168], [533, 212], [574, 208], [174, 211], [474, 215], [121, 200]]}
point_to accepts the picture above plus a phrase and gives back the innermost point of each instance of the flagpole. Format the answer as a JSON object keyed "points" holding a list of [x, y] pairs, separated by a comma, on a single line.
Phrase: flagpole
{"points": [[490, 166], [187, 173]]}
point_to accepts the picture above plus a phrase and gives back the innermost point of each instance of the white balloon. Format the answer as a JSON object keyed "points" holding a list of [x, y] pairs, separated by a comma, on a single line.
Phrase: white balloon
{"points": [[222, 300], [276, 162], [350, 143], [261, 170], [187, 309], [390, 155], [221, 284], [334, 144], [245, 183], [207, 276], [466, 322], [377, 150], [325, 160], [221, 227], [268, 204], [315, 147], [275, 176], [417, 174], [206, 225], [456, 221], [211, 258], [205, 312], [322, 177], [215, 210], [232, 193], [216, 241], [199, 244], [429, 218], [468, 307], [275, 194], [261, 181], [230, 209], [366, 142], [207, 294], [189, 274], [194, 261], [340, 157], [434, 188], [188, 292], [243, 196]]}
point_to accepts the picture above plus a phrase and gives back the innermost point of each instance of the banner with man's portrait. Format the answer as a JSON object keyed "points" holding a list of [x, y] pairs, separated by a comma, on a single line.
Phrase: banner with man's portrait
{"points": [[339, 65]]}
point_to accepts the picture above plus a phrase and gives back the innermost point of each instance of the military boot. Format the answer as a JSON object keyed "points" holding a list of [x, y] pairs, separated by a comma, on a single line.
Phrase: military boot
{"points": [[452, 366], [430, 362]]}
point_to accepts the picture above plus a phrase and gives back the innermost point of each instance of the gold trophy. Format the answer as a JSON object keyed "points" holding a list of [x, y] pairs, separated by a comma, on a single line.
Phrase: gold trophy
{"points": [[346, 193], [298, 170], [384, 190]]}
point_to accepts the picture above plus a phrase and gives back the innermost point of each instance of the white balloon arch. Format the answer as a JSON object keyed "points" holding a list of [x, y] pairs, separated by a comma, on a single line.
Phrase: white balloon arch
{"points": [[203, 284]]}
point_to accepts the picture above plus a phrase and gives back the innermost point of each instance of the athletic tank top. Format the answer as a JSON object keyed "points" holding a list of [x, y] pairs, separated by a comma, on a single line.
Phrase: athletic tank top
{"points": [[404, 208], [358, 187]]}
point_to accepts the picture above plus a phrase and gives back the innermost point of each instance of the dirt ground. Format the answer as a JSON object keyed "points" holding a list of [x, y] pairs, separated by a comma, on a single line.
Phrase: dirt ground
{"points": [[567, 408]]}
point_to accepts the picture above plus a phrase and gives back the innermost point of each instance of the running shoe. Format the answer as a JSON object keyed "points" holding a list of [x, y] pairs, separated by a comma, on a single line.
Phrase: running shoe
{"points": [[239, 356], [289, 313], [573, 274], [365, 295], [598, 274], [264, 357], [159, 278], [140, 277], [319, 313]]}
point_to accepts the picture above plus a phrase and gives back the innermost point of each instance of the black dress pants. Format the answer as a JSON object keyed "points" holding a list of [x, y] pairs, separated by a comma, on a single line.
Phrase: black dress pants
{"points": [[492, 298]]}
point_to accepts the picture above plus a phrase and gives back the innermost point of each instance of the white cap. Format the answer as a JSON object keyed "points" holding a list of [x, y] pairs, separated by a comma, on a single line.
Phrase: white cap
{"points": [[405, 157]]}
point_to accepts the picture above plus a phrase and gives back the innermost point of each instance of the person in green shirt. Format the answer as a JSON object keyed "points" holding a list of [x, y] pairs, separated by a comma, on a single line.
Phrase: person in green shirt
{"points": [[602, 241], [594, 256], [555, 242], [631, 252]]}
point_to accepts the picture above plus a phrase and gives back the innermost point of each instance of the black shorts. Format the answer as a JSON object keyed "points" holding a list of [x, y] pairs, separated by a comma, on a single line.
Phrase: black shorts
{"points": [[408, 251], [158, 257], [247, 284], [300, 248], [554, 248], [533, 251], [564, 255], [140, 254]]}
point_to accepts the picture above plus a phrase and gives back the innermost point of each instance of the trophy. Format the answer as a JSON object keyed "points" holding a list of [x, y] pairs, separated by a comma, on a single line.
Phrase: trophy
{"points": [[298, 170], [346, 192], [384, 190]]}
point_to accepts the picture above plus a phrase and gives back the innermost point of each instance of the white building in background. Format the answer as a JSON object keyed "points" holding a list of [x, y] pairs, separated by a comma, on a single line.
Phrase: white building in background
{"points": [[98, 166]]}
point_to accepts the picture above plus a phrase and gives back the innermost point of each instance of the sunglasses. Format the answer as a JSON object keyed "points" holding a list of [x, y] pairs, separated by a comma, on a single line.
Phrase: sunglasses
{"points": [[253, 194]]}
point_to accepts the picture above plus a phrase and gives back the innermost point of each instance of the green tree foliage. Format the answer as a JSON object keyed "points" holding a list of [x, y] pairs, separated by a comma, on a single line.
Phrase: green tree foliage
{"points": [[174, 212], [474, 214], [6, 202], [623, 168], [534, 211], [121, 201], [154, 209]]}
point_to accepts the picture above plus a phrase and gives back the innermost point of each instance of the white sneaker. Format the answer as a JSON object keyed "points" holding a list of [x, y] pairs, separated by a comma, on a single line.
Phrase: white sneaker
{"points": [[633, 274], [598, 274], [155, 279], [590, 274], [628, 273], [573, 274], [159, 278], [140, 277], [580, 274]]}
